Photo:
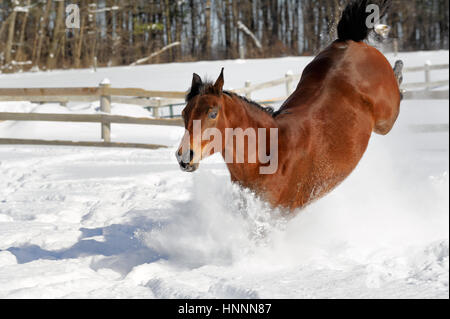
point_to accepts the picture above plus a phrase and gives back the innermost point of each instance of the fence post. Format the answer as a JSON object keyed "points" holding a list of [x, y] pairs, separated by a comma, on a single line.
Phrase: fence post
{"points": [[241, 52], [156, 108], [427, 76], [248, 93], [395, 44], [105, 107], [289, 78]]}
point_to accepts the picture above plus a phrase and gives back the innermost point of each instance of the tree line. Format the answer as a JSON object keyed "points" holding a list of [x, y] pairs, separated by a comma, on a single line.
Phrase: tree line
{"points": [[34, 35]]}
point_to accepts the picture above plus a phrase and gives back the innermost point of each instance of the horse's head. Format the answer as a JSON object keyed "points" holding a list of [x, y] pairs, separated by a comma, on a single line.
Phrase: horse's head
{"points": [[203, 112]]}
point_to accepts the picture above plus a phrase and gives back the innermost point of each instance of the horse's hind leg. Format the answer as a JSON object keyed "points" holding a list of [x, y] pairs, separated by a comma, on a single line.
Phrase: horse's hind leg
{"points": [[398, 71], [387, 107]]}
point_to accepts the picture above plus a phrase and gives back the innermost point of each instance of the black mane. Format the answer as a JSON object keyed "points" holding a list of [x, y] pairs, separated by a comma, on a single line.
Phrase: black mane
{"points": [[208, 88], [267, 109]]}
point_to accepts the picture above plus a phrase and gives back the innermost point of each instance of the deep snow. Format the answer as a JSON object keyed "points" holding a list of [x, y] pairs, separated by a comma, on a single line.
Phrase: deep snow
{"points": [[120, 223]]}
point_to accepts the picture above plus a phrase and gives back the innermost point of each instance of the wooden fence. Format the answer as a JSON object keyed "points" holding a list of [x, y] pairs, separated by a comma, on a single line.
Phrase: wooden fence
{"points": [[105, 94], [412, 90], [155, 100]]}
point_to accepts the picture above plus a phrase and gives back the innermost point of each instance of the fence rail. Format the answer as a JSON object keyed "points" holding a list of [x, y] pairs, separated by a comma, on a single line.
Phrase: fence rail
{"points": [[155, 100], [87, 118], [17, 141], [426, 95], [90, 91], [428, 66]]}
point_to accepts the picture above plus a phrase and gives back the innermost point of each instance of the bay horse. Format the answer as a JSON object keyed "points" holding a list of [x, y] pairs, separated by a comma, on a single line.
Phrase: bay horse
{"points": [[347, 92]]}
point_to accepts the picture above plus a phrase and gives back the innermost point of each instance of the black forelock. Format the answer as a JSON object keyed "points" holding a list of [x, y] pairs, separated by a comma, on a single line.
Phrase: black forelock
{"points": [[203, 88]]}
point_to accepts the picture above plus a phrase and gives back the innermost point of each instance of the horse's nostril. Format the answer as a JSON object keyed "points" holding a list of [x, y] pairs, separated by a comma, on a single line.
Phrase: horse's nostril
{"points": [[183, 164], [184, 157]]}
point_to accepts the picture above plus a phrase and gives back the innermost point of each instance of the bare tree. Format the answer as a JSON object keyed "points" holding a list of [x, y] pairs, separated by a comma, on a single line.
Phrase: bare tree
{"points": [[42, 26], [118, 32], [9, 41], [58, 32]]}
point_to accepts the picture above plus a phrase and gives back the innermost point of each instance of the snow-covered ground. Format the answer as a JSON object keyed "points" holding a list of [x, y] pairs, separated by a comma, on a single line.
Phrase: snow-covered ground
{"points": [[121, 223]]}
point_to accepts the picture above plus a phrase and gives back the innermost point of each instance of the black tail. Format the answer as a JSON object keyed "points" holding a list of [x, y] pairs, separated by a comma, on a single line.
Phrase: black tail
{"points": [[352, 25]]}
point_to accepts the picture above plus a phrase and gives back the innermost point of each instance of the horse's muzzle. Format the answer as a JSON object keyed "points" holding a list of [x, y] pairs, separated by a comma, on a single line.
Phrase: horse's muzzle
{"points": [[185, 161]]}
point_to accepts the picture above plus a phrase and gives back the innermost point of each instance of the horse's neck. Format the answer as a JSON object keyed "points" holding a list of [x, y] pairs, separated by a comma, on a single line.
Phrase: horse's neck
{"points": [[242, 114]]}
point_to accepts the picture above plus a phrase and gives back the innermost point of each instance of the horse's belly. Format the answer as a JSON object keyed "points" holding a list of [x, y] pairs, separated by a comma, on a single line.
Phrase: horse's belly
{"points": [[317, 174]]}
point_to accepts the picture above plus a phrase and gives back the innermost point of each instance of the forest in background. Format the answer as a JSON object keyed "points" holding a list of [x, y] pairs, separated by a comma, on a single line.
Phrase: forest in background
{"points": [[33, 33]]}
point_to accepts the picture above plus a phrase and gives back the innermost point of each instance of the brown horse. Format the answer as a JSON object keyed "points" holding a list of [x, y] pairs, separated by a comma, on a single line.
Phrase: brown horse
{"points": [[347, 92]]}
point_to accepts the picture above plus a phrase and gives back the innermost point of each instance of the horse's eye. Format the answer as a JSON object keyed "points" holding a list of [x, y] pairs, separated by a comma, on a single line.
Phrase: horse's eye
{"points": [[212, 115]]}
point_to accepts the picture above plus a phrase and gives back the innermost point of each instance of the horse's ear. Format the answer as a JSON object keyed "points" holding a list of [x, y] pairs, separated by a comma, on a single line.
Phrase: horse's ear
{"points": [[195, 86], [196, 82], [218, 86]]}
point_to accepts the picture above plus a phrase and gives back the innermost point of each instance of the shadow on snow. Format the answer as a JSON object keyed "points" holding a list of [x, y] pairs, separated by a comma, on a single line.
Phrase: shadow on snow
{"points": [[121, 249]]}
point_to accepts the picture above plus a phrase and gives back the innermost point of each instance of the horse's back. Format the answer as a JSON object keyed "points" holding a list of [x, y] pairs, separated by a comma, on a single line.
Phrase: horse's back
{"points": [[352, 71]]}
